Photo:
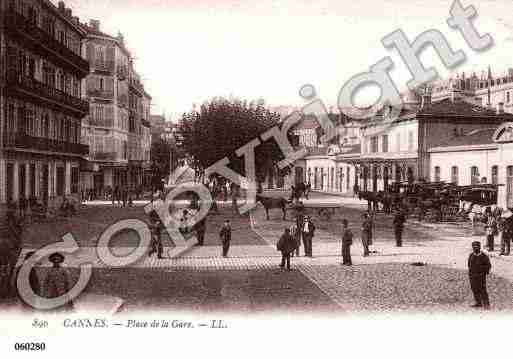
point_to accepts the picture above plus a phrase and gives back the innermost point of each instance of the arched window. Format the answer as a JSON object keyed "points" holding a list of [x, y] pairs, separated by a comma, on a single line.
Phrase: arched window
{"points": [[474, 175], [437, 174], [454, 175]]}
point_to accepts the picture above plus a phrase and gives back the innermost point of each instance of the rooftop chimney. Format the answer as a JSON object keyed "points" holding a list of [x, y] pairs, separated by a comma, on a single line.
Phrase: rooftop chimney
{"points": [[94, 24], [500, 108], [62, 6]]}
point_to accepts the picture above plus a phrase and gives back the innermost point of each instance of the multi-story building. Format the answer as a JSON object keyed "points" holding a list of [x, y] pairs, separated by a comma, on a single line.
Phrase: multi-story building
{"points": [[402, 149], [42, 68], [113, 129], [485, 90]]}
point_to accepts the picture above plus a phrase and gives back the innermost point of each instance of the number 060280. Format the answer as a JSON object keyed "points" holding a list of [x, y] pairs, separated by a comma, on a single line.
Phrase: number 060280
{"points": [[29, 346]]}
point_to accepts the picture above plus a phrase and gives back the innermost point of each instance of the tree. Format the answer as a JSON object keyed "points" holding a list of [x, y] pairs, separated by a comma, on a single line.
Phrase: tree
{"points": [[223, 126]]}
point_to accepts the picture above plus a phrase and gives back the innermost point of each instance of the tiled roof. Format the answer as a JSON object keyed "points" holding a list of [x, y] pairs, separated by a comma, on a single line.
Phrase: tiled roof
{"points": [[473, 138]]}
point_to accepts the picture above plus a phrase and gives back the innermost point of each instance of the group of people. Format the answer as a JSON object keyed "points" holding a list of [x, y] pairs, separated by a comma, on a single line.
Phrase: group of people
{"points": [[303, 231], [498, 225]]}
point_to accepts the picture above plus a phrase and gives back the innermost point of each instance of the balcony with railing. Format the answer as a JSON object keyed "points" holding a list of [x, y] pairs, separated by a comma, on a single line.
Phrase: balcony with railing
{"points": [[18, 25], [20, 140], [29, 86], [103, 66], [100, 122], [104, 156], [137, 86], [99, 93]]}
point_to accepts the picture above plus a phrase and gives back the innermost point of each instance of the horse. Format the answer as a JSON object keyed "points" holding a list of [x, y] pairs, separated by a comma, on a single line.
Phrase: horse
{"points": [[270, 203], [298, 191]]}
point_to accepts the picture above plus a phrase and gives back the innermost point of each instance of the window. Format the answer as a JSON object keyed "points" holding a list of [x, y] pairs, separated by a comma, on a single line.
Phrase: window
{"points": [[60, 181], [384, 143], [495, 174], [437, 174], [410, 141], [102, 86], [454, 175], [74, 179], [374, 144], [507, 97], [474, 175]]}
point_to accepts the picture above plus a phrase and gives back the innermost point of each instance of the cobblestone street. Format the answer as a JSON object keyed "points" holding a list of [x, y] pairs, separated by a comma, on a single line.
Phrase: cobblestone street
{"points": [[251, 281]]}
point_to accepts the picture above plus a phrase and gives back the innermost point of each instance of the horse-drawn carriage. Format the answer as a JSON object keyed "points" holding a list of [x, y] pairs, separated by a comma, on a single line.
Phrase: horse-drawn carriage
{"points": [[433, 201]]}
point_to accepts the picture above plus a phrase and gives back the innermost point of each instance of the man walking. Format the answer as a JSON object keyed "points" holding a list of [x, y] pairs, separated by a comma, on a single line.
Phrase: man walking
{"points": [[286, 246], [399, 220], [308, 234], [478, 268], [226, 236], [347, 241]]}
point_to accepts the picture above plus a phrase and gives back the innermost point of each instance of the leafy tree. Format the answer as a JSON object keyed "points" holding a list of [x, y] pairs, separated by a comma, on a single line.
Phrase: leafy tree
{"points": [[222, 126]]}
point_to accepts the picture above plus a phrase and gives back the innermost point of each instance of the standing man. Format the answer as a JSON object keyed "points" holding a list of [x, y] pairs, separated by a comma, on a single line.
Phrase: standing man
{"points": [[347, 241], [286, 246], [308, 234], [366, 234], [23, 205], [399, 220], [300, 223], [201, 228], [505, 232], [478, 268], [57, 282], [156, 240], [226, 236]]}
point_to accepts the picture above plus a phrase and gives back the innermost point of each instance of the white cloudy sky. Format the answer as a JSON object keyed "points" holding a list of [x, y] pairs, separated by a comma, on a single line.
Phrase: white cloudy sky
{"points": [[188, 50]]}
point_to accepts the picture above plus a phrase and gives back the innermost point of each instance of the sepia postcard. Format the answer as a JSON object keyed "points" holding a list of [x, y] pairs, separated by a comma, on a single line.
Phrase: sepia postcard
{"points": [[189, 176]]}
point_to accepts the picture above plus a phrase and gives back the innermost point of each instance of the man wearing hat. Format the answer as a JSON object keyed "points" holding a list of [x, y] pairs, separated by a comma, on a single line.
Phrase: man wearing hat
{"points": [[478, 268], [347, 241], [308, 234], [57, 281], [226, 236], [286, 245]]}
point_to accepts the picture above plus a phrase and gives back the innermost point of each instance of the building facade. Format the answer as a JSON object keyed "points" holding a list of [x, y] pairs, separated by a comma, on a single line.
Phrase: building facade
{"points": [[400, 150], [116, 127], [41, 101], [485, 89]]}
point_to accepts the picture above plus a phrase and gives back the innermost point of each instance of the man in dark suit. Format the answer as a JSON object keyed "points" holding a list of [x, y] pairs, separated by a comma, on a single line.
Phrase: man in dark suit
{"points": [[308, 234], [478, 268], [226, 236], [398, 223], [347, 241], [201, 228]]}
